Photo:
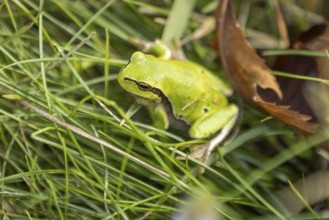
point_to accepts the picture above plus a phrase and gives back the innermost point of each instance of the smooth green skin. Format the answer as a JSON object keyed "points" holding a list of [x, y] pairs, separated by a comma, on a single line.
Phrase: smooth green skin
{"points": [[195, 94]]}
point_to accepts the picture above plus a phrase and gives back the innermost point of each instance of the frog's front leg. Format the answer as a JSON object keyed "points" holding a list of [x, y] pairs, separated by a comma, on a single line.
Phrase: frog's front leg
{"points": [[159, 115], [219, 123]]}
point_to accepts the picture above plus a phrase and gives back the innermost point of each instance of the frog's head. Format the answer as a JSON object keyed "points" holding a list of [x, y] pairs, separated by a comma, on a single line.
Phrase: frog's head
{"points": [[138, 78]]}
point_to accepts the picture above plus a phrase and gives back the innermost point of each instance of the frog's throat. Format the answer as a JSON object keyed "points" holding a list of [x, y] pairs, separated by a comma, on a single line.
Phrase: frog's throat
{"points": [[141, 100], [146, 101]]}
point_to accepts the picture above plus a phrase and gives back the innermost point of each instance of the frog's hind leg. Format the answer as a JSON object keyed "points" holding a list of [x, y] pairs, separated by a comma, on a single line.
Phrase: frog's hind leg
{"points": [[223, 122], [219, 138], [214, 142], [210, 124]]}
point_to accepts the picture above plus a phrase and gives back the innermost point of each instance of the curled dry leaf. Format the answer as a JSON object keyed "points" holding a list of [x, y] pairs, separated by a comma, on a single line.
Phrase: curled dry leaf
{"points": [[315, 39], [252, 79]]}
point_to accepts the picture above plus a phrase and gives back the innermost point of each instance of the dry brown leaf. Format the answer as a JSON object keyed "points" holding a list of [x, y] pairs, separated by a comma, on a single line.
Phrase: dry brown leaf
{"points": [[316, 39], [248, 72]]}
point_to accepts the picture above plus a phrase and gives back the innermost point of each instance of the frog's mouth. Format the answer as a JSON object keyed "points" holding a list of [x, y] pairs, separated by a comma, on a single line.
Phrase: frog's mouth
{"points": [[145, 101]]}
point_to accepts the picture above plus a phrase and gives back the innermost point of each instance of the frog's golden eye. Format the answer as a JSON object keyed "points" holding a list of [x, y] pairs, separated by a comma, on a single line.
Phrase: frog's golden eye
{"points": [[144, 86]]}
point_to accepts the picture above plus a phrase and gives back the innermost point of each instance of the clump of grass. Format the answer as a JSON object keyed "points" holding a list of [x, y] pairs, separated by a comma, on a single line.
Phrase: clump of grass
{"points": [[64, 154]]}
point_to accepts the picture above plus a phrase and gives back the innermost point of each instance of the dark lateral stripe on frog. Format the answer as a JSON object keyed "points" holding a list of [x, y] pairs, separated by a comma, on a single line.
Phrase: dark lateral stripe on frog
{"points": [[151, 89]]}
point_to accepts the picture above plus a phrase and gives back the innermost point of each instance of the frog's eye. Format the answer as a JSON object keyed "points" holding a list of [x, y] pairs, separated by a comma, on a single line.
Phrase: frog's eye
{"points": [[144, 86]]}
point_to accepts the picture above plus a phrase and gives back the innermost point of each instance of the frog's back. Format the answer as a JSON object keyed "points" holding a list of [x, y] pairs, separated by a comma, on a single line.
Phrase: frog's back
{"points": [[201, 73], [158, 71], [191, 89]]}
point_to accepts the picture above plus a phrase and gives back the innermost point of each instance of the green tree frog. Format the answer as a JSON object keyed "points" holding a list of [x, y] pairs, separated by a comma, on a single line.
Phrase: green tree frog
{"points": [[196, 95]]}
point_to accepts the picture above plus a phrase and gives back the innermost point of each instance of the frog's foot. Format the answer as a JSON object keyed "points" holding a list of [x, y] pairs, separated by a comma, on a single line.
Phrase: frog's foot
{"points": [[195, 150], [219, 125], [158, 49], [203, 151]]}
